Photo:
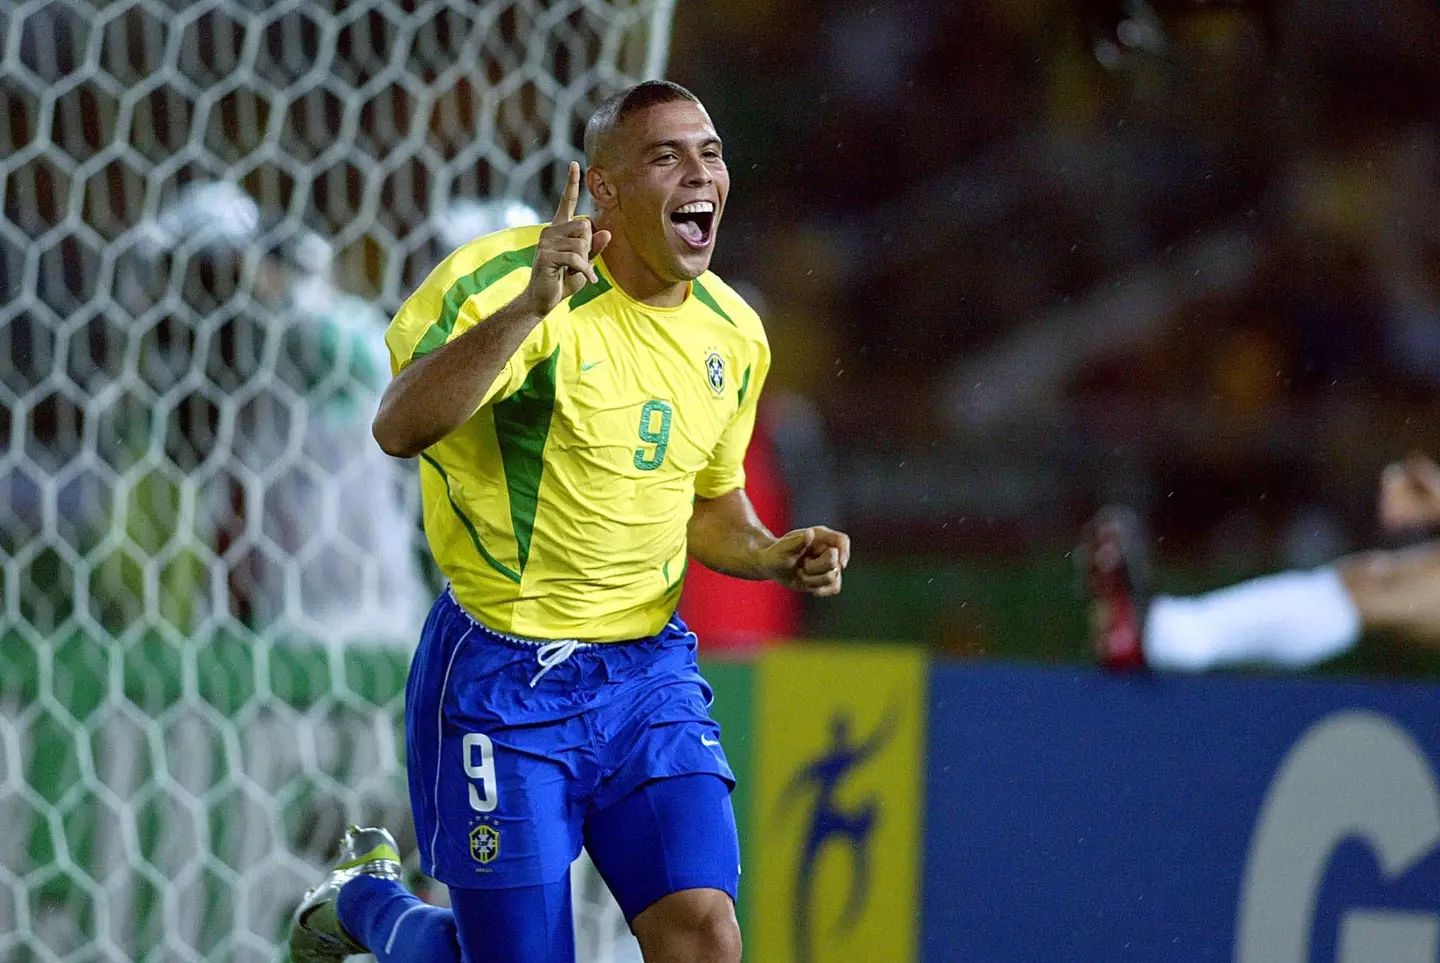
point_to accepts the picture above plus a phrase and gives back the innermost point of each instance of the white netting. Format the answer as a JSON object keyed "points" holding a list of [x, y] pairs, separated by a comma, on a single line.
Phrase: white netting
{"points": [[210, 578]]}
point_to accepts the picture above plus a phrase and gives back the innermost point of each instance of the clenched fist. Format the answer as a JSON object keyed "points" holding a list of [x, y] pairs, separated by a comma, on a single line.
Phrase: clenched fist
{"points": [[810, 560], [1410, 494]]}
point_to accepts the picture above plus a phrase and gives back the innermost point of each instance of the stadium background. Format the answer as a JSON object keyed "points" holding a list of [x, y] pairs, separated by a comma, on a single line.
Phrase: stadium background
{"points": [[1018, 259]]}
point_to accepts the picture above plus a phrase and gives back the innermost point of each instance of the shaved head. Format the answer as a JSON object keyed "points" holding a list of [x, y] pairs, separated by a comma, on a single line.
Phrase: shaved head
{"points": [[610, 116], [658, 178]]}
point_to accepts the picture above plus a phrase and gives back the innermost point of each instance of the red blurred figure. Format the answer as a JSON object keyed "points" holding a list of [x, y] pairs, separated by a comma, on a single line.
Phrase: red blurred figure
{"points": [[735, 616]]}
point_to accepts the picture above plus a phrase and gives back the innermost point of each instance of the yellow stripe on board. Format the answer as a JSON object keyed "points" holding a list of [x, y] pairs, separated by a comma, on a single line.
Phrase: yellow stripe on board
{"points": [[836, 841]]}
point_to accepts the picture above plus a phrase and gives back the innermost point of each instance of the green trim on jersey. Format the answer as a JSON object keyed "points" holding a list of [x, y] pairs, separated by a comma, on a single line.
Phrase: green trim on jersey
{"points": [[744, 386], [708, 299], [670, 586], [542, 475], [589, 292], [522, 423], [466, 287], [469, 527]]}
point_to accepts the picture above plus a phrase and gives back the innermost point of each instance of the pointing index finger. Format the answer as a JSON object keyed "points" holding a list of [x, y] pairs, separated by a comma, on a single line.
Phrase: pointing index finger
{"points": [[571, 197]]}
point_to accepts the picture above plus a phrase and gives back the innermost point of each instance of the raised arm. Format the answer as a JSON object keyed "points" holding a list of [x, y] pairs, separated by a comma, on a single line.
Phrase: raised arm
{"points": [[436, 394], [726, 535]]}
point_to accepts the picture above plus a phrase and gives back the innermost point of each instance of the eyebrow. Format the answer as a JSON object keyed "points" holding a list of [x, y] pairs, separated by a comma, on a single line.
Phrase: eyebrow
{"points": [[680, 144]]}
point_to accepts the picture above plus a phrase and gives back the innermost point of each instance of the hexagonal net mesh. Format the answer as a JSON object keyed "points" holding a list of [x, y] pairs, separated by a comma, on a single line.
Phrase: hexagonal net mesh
{"points": [[211, 577]]}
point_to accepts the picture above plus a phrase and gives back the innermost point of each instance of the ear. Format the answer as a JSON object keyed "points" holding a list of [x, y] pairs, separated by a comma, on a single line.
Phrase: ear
{"points": [[601, 184]]}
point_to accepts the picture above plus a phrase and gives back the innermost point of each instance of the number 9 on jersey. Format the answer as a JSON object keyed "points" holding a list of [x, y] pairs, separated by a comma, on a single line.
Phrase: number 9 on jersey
{"points": [[484, 794]]}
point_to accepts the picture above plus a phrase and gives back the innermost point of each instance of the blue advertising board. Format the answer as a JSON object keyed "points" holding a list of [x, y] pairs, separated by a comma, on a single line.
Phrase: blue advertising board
{"points": [[1077, 816]]}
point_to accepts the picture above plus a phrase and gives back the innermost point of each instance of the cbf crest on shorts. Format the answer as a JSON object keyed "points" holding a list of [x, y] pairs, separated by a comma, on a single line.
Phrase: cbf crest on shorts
{"points": [[484, 843], [715, 372]]}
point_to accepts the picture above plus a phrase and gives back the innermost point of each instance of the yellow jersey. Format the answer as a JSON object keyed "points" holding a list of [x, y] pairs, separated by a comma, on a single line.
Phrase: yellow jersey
{"points": [[559, 509]]}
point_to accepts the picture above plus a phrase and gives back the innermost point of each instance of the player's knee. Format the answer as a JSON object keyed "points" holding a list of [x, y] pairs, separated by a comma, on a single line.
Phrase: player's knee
{"points": [[692, 931], [702, 939], [719, 938]]}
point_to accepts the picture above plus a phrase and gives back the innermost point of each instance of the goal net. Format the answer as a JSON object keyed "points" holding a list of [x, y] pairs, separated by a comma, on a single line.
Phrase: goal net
{"points": [[211, 579]]}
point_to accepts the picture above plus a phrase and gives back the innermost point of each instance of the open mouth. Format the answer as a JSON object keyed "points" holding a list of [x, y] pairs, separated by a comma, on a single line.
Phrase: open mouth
{"points": [[694, 222]]}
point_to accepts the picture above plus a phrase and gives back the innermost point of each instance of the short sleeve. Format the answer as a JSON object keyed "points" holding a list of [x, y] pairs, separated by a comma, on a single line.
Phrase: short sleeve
{"points": [[467, 287], [726, 471]]}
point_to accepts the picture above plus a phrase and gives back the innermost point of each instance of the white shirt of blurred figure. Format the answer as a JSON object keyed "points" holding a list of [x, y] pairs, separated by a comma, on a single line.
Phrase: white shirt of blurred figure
{"points": [[343, 513]]}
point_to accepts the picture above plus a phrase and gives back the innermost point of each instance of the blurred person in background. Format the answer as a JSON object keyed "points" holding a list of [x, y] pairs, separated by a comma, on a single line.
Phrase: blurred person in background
{"points": [[283, 373], [1291, 620], [735, 615], [789, 474]]}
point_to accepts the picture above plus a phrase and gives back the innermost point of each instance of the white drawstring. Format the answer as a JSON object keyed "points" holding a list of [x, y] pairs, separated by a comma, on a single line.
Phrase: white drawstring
{"points": [[552, 654]]}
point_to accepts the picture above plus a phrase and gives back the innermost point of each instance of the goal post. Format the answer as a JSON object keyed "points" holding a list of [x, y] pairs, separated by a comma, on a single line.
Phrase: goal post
{"points": [[201, 670]]}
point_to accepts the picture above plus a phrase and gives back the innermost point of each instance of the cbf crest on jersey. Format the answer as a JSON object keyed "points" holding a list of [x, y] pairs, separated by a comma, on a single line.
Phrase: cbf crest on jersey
{"points": [[715, 372], [484, 843]]}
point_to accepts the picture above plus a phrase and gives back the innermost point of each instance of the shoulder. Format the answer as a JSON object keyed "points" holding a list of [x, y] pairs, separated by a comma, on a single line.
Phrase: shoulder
{"points": [[732, 306], [474, 273], [498, 253]]}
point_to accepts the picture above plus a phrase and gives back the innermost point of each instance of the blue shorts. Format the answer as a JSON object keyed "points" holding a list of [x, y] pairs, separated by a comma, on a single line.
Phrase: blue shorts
{"points": [[505, 774]]}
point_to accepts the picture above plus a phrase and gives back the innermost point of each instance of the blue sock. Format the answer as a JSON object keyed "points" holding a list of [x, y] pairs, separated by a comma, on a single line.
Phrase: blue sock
{"points": [[394, 924]]}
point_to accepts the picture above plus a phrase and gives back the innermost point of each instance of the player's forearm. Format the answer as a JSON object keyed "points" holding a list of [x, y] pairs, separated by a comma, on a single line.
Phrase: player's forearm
{"points": [[437, 393], [726, 535]]}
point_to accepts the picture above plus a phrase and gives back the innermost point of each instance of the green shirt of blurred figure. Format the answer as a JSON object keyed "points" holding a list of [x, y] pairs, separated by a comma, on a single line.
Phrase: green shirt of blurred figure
{"points": [[266, 480]]}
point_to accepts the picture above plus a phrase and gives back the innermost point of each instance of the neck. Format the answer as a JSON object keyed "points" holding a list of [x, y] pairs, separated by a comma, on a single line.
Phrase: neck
{"points": [[635, 277]]}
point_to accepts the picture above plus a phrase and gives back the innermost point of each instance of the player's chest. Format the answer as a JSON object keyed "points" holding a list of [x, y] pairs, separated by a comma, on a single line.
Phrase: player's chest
{"points": [[641, 402]]}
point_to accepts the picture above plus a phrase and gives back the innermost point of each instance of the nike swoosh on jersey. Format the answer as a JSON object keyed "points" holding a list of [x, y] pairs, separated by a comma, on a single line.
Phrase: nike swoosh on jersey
{"points": [[707, 741], [587, 367]]}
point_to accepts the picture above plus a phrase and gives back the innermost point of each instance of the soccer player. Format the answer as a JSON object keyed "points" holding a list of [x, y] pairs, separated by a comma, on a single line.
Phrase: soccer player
{"points": [[580, 396], [1291, 620]]}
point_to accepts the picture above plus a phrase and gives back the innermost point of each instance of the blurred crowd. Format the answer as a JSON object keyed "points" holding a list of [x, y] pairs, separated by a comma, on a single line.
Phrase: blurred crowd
{"points": [[1179, 253], [1016, 260]]}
